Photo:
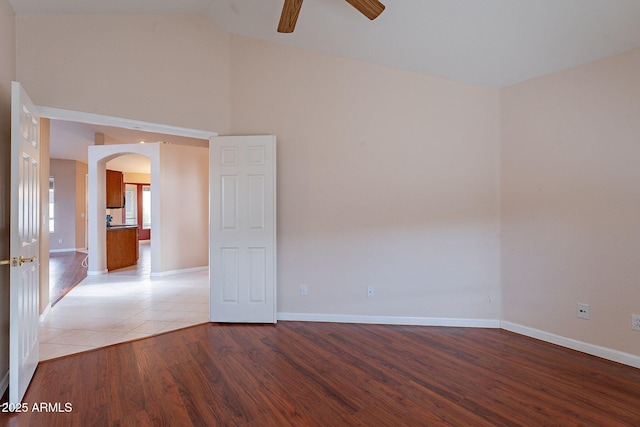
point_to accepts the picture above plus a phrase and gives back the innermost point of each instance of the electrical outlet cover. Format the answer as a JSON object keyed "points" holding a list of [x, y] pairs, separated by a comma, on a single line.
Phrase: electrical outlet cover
{"points": [[635, 322], [583, 311]]}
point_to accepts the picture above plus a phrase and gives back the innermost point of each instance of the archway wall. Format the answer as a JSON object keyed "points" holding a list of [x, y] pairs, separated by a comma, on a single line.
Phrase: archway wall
{"points": [[98, 157], [184, 208], [179, 205]]}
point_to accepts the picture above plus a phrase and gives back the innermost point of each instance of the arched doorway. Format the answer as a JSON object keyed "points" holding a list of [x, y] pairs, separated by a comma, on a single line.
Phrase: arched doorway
{"points": [[99, 157], [129, 220]]}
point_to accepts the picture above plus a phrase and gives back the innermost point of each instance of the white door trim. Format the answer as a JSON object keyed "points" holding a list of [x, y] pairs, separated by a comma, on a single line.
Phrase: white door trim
{"points": [[98, 119]]}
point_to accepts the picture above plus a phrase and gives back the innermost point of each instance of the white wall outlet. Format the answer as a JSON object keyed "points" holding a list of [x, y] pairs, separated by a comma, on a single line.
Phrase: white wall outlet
{"points": [[583, 311], [635, 322], [303, 290], [371, 291], [59, 241]]}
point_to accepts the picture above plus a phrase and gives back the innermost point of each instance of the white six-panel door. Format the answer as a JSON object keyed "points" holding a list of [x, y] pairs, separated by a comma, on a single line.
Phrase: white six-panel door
{"points": [[242, 249], [25, 243]]}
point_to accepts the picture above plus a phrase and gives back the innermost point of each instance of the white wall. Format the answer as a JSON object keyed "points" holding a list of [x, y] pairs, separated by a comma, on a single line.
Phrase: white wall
{"points": [[7, 74], [570, 202], [386, 178]]}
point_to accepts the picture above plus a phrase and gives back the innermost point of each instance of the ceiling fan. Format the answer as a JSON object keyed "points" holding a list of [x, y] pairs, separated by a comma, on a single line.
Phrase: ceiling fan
{"points": [[291, 9]]}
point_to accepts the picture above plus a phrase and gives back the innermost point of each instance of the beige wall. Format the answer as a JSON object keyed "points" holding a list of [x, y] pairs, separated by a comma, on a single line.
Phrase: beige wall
{"points": [[7, 74], [184, 203], [179, 205], [386, 178], [169, 69], [45, 133], [137, 178], [64, 175], [81, 203], [570, 205], [70, 200]]}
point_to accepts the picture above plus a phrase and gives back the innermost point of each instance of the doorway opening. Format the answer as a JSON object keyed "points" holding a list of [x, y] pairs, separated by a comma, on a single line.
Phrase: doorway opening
{"points": [[128, 212], [128, 317], [137, 210]]}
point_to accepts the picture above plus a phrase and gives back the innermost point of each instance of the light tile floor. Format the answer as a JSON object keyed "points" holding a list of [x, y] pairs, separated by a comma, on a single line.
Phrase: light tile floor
{"points": [[121, 306]]}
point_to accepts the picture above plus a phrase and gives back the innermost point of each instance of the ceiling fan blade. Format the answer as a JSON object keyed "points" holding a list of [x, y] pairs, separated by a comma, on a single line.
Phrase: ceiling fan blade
{"points": [[369, 8], [289, 17]]}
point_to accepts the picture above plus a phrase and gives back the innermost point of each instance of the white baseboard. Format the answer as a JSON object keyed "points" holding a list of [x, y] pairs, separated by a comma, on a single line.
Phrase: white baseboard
{"points": [[96, 272], [4, 384], [45, 313], [83, 250], [185, 270], [390, 320], [594, 350], [603, 352]]}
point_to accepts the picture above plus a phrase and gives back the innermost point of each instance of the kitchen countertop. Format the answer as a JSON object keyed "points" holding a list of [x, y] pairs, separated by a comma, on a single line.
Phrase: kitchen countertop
{"points": [[121, 226]]}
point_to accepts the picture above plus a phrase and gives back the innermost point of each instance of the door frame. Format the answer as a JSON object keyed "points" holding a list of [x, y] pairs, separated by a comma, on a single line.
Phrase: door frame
{"points": [[98, 119], [103, 120], [52, 113]]}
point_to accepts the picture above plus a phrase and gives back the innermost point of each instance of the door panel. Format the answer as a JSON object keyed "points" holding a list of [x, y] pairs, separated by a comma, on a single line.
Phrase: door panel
{"points": [[243, 229], [25, 243]]}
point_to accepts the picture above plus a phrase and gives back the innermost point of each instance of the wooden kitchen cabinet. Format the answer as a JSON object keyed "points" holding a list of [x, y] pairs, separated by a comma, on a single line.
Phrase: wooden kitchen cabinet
{"points": [[122, 247], [115, 189]]}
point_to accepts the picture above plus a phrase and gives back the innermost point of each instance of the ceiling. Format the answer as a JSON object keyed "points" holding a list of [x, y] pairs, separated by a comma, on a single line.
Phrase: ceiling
{"points": [[495, 43]]}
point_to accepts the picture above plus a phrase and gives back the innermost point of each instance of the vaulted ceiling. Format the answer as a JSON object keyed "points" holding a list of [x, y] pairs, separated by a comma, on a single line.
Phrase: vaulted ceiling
{"points": [[495, 43], [489, 42]]}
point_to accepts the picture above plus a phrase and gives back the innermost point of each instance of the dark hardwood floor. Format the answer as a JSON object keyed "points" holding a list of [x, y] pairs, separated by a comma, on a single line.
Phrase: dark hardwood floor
{"points": [[65, 272], [323, 374]]}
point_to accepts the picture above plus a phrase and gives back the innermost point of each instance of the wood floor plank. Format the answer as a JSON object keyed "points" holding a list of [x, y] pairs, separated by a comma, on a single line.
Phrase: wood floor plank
{"points": [[272, 401], [162, 400], [573, 378], [319, 374], [506, 386], [445, 381], [65, 272]]}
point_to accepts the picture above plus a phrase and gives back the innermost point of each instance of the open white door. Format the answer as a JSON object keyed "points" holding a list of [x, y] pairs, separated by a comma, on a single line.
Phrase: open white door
{"points": [[25, 242], [242, 244]]}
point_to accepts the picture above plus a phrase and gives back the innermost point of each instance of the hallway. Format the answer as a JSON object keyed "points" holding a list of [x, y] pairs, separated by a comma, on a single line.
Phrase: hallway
{"points": [[124, 305]]}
